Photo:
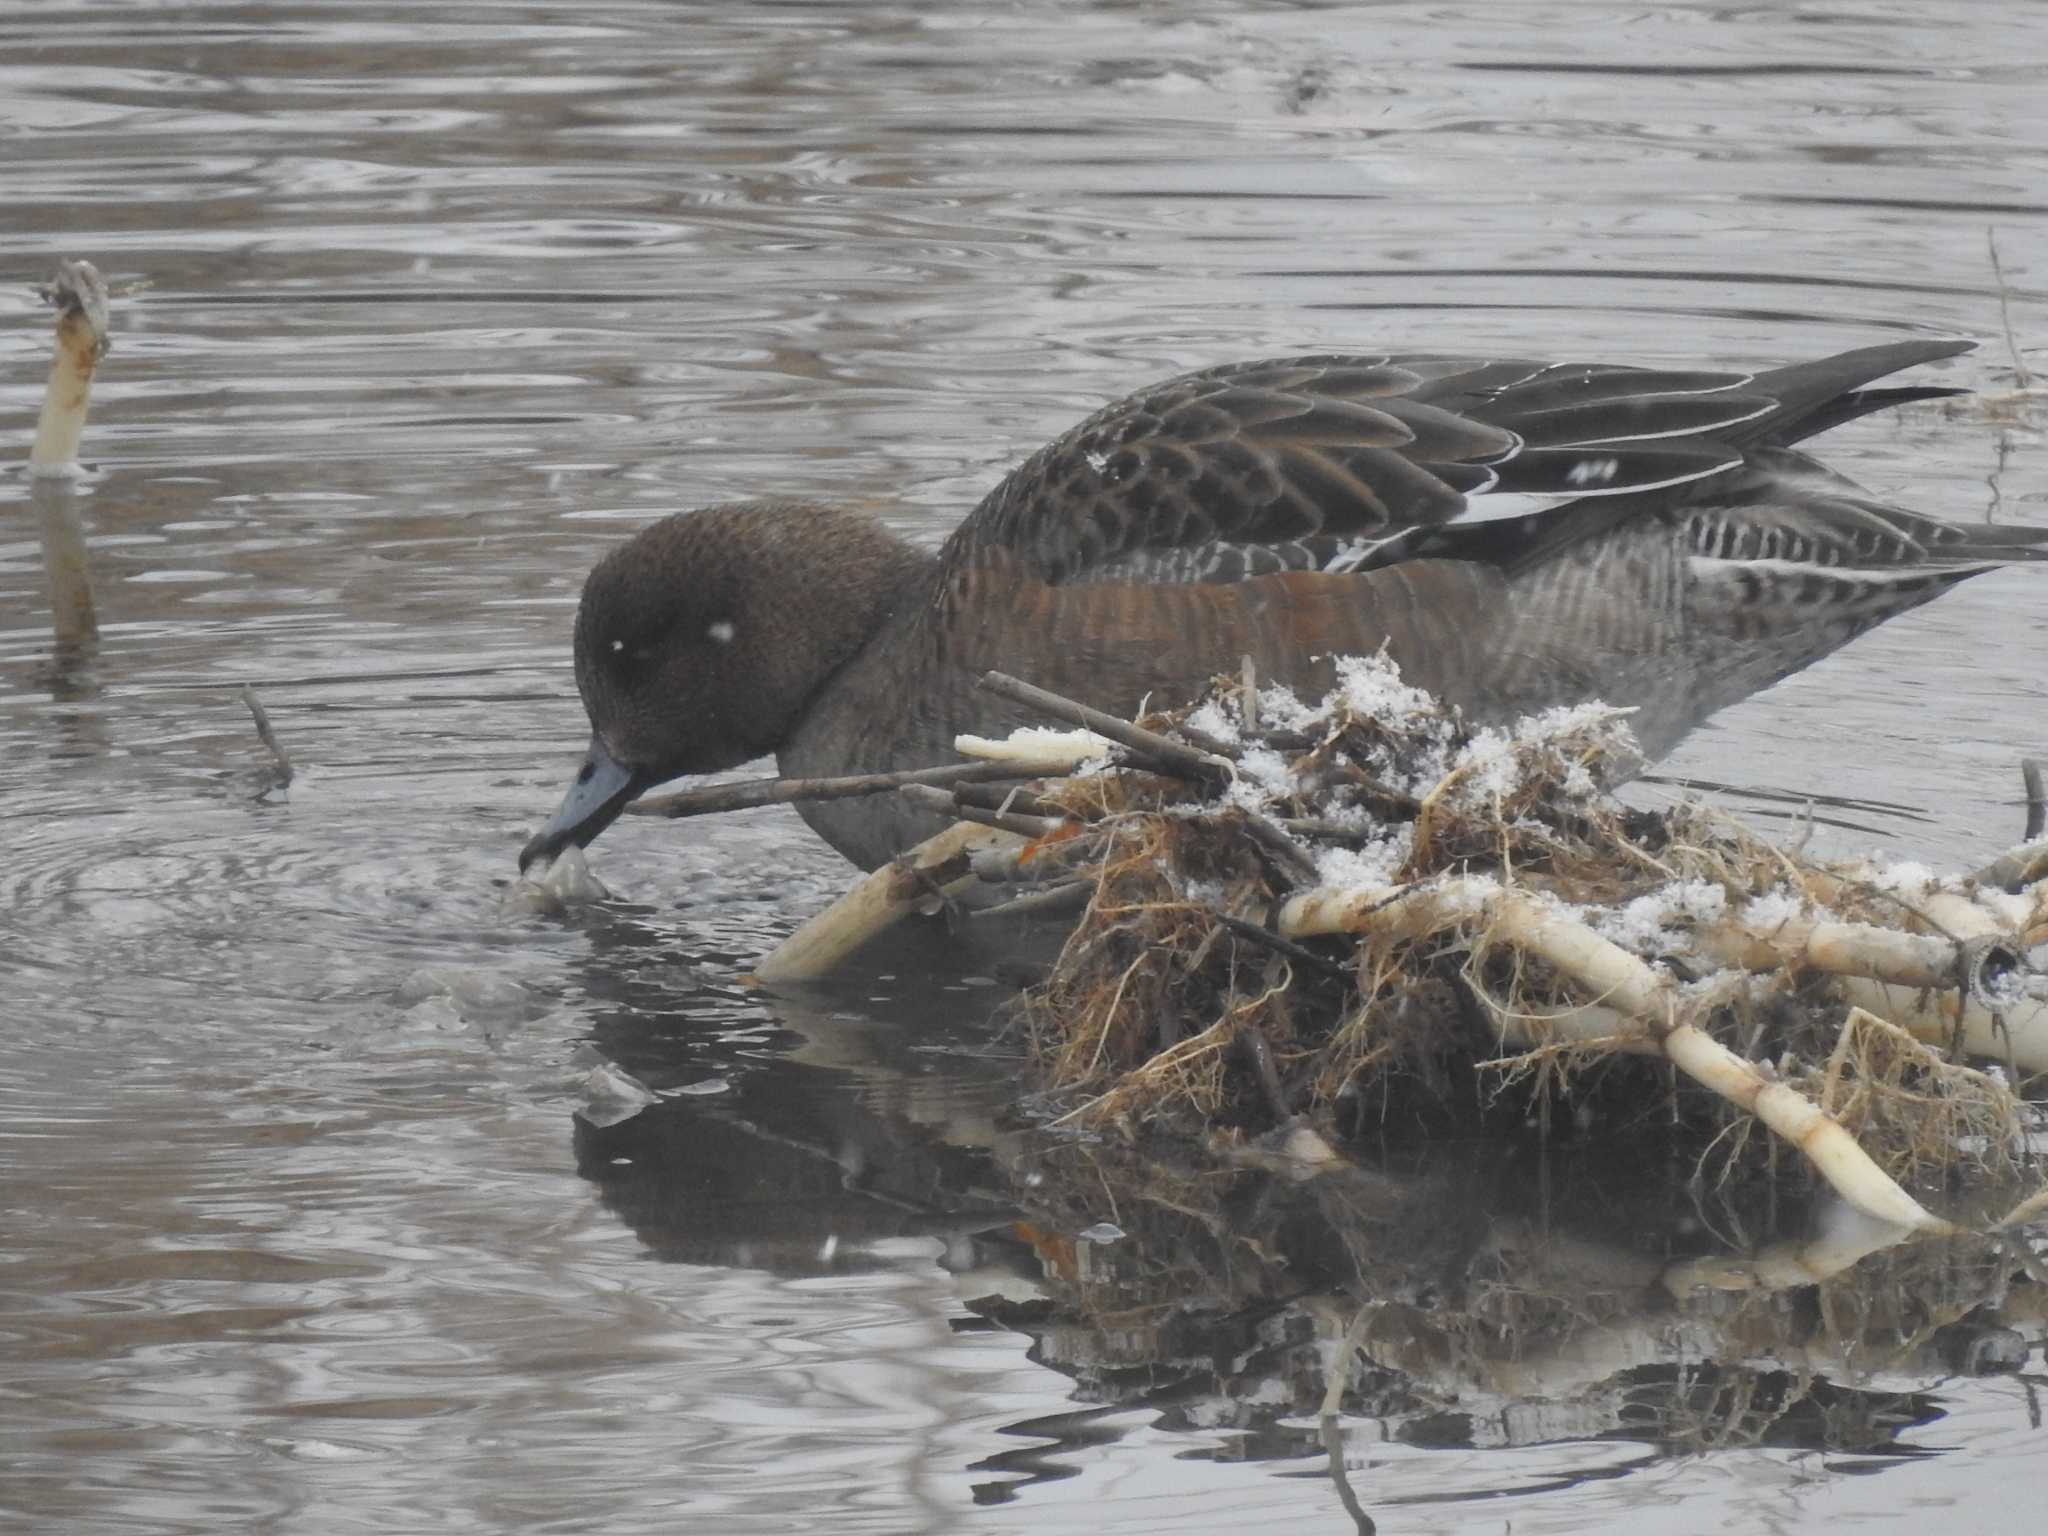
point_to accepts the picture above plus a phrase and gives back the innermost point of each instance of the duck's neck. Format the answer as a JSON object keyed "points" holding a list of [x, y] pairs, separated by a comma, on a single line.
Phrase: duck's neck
{"points": [[861, 585]]}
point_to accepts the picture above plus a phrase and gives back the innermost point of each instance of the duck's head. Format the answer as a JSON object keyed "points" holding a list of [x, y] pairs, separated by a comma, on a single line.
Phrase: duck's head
{"points": [[701, 640]]}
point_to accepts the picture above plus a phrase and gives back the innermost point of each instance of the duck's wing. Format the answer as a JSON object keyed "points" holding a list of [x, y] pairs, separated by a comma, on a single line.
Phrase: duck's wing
{"points": [[1343, 462]]}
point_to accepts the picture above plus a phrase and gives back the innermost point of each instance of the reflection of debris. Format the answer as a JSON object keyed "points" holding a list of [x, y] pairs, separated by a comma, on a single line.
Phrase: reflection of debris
{"points": [[1432, 1304]]}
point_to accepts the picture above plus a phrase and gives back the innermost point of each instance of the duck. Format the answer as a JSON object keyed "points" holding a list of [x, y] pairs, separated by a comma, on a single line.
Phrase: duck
{"points": [[1513, 534]]}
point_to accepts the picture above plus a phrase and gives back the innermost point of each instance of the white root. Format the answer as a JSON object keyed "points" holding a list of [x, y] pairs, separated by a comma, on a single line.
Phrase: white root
{"points": [[2016, 1033], [1034, 749], [1620, 981]]}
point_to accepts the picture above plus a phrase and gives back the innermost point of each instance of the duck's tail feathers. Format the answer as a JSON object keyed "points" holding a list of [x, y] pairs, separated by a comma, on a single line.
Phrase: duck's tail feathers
{"points": [[1814, 396]]}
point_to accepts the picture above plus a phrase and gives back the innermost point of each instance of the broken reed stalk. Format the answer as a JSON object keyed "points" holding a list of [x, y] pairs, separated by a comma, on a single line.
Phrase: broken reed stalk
{"points": [[715, 799], [938, 867], [80, 297]]}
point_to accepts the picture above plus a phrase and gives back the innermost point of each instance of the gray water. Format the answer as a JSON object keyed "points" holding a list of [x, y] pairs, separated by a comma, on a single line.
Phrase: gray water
{"points": [[298, 1230]]}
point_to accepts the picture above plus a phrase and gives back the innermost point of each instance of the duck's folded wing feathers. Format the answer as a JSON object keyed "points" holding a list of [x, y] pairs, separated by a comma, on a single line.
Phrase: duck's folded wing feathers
{"points": [[1301, 457]]}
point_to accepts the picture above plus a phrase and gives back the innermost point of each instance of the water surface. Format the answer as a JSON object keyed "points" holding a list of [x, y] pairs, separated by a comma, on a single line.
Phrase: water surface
{"points": [[439, 303]]}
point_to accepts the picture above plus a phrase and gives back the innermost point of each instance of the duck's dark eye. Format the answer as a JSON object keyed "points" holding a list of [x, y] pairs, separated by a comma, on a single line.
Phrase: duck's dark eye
{"points": [[624, 658]]}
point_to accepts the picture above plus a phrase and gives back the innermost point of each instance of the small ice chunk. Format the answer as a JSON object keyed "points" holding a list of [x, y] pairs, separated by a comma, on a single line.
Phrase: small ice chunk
{"points": [[566, 882], [611, 1095], [476, 995]]}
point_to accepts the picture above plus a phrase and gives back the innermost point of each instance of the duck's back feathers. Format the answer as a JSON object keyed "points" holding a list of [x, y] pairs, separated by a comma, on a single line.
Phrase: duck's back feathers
{"points": [[1342, 463]]}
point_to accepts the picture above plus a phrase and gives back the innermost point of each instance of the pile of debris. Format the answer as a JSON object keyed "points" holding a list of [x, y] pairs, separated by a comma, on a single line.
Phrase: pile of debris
{"points": [[1302, 915]]}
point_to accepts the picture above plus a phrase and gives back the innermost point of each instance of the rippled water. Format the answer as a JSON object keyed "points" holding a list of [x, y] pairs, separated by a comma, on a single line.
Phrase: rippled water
{"points": [[439, 302]]}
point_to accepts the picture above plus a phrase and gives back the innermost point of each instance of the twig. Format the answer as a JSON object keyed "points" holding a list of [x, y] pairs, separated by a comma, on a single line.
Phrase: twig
{"points": [[1248, 695], [714, 799], [2037, 800], [932, 798], [1253, 1045], [1067, 896], [1294, 861], [2022, 378], [1007, 797], [1159, 751], [264, 734], [1244, 928]]}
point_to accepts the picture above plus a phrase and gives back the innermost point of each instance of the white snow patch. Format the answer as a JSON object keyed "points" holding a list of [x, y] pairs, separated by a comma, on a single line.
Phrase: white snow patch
{"points": [[1370, 867], [1904, 879], [1650, 924], [1263, 776], [1211, 718], [1372, 685], [1773, 910]]}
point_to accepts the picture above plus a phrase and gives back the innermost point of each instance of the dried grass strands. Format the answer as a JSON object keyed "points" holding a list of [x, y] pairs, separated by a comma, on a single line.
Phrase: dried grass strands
{"points": [[1614, 977], [936, 867]]}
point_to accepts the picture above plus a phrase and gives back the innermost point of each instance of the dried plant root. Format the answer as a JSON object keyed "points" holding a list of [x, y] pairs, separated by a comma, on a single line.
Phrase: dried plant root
{"points": [[1645, 1000]]}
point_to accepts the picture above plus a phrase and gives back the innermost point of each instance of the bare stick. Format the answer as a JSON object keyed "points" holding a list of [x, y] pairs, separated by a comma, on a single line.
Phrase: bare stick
{"points": [[1007, 797], [2021, 377], [1248, 694], [264, 734], [1158, 750], [1244, 928], [1067, 896], [714, 799], [1297, 865], [930, 797]]}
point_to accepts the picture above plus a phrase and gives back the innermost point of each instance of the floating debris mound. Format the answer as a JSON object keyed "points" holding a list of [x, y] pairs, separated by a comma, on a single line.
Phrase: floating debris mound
{"points": [[1344, 914], [1376, 790]]}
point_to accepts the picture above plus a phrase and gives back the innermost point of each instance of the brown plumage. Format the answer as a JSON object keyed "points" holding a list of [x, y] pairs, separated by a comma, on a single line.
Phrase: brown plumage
{"points": [[1663, 546]]}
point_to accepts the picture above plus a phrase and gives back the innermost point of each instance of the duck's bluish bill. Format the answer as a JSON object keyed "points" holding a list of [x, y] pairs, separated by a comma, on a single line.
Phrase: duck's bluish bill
{"points": [[602, 788]]}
